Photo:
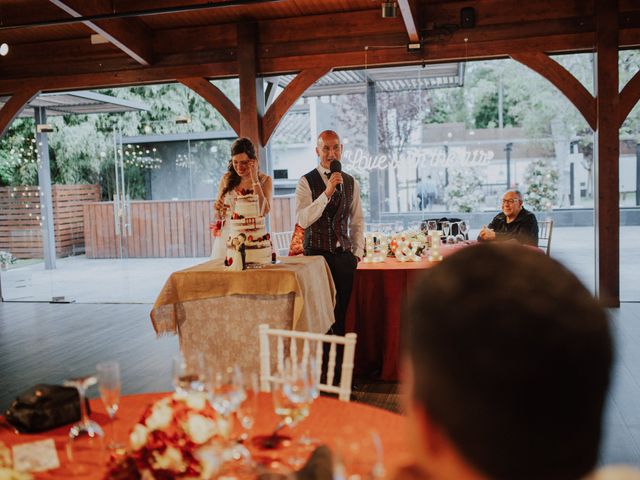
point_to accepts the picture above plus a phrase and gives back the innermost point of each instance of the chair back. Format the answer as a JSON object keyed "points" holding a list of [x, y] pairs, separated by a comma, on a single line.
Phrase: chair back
{"points": [[281, 241], [305, 345], [545, 228]]}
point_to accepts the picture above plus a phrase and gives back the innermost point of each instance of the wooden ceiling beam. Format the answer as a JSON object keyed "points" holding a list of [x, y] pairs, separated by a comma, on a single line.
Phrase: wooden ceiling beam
{"points": [[215, 97], [130, 35], [14, 106], [564, 81], [409, 12], [287, 98]]}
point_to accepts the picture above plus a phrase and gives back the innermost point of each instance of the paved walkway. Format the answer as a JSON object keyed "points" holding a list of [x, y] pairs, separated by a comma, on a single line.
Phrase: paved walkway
{"points": [[139, 280]]}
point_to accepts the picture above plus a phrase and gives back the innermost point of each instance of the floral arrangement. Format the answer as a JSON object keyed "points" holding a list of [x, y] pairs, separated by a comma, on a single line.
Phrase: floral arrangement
{"points": [[6, 258], [170, 440]]}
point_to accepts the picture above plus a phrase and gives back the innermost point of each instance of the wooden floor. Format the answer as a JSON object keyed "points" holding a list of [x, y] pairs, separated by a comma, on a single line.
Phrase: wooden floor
{"points": [[44, 343]]}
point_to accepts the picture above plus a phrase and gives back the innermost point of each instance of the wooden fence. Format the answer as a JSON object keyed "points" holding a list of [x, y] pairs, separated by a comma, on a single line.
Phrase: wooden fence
{"points": [[20, 222], [177, 228]]}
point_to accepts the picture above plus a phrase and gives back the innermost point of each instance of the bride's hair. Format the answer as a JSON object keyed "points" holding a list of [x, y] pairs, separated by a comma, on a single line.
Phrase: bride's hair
{"points": [[241, 145]]}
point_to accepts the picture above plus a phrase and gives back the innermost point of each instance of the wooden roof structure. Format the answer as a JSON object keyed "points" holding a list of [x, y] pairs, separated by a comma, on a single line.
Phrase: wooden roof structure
{"points": [[61, 45]]}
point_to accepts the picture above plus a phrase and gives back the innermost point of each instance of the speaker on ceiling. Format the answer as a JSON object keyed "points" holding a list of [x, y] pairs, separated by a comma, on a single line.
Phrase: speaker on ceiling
{"points": [[467, 17]]}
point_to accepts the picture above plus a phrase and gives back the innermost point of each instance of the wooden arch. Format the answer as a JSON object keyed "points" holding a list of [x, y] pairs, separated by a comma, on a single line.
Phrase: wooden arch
{"points": [[14, 106], [564, 81], [215, 97], [287, 98], [629, 96]]}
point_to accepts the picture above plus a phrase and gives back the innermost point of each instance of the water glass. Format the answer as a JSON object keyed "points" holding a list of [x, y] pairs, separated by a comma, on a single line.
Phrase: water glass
{"points": [[109, 384], [188, 373], [226, 389]]}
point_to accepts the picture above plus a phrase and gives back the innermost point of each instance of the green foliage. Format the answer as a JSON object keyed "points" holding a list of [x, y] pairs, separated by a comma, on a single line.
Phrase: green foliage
{"points": [[81, 146], [464, 192], [541, 185]]}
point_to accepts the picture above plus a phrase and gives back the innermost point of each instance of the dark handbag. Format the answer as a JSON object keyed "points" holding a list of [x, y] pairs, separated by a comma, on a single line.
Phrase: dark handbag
{"points": [[44, 407]]}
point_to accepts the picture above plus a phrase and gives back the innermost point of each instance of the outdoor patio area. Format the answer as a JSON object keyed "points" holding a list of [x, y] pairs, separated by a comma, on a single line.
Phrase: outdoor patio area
{"points": [[137, 280]]}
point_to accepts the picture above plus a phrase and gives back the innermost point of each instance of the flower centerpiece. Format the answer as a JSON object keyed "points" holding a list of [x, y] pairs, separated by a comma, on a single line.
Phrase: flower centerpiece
{"points": [[6, 259], [170, 440]]}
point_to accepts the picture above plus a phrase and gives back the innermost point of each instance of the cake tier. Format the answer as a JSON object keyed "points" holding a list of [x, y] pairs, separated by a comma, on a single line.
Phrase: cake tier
{"points": [[261, 255], [247, 206]]}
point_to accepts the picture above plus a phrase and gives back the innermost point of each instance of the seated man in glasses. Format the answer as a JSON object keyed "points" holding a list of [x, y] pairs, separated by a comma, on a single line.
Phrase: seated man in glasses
{"points": [[514, 222], [512, 383]]}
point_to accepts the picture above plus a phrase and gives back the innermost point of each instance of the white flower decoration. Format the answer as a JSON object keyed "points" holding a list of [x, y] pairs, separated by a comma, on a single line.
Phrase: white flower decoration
{"points": [[138, 436], [171, 460], [196, 401], [160, 417], [199, 428]]}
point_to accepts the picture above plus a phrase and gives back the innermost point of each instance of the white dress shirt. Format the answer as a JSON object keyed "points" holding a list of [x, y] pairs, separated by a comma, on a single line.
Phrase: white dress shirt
{"points": [[308, 211]]}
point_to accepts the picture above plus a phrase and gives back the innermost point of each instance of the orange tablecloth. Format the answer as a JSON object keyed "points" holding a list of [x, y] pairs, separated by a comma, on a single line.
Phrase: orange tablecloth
{"points": [[379, 290], [326, 423]]}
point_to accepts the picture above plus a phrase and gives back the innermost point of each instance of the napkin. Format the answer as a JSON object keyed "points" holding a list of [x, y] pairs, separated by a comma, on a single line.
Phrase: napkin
{"points": [[35, 456]]}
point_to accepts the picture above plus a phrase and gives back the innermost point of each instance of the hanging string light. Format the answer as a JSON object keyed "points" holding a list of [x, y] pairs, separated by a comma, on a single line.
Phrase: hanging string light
{"points": [[142, 157]]}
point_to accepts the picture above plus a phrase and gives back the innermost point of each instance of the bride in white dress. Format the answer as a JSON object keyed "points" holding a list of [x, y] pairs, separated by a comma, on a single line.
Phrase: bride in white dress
{"points": [[243, 176]]}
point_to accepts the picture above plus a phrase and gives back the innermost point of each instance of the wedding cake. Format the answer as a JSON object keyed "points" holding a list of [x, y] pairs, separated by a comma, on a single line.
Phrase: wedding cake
{"points": [[248, 242]]}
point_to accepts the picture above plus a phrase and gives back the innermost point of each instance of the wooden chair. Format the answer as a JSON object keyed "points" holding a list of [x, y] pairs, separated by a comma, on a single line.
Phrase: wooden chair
{"points": [[312, 344], [281, 241], [545, 228]]}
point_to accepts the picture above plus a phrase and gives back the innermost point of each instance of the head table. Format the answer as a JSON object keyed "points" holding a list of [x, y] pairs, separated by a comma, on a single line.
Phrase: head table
{"points": [[331, 422], [374, 313], [218, 312]]}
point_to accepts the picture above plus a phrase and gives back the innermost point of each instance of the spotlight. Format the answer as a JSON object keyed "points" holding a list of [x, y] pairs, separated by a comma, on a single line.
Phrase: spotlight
{"points": [[389, 10], [4, 49], [182, 119]]}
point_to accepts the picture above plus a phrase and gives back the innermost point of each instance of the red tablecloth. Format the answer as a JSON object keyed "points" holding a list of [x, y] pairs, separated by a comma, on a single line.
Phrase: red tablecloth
{"points": [[327, 423], [379, 291]]}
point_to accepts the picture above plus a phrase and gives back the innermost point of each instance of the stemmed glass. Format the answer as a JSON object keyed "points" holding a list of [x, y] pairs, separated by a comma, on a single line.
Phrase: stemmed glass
{"points": [[85, 446], [248, 409], [445, 228], [108, 374], [464, 227], [226, 391], [188, 373], [86, 426]]}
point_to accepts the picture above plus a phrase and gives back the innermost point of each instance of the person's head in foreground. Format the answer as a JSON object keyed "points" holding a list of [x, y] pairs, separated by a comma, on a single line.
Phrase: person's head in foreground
{"points": [[507, 362]]}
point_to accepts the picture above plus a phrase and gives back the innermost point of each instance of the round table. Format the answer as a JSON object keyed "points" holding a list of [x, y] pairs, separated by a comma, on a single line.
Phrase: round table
{"points": [[331, 422]]}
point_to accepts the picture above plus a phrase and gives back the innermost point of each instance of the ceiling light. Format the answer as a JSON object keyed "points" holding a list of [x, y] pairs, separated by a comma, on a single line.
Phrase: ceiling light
{"points": [[4, 49]]}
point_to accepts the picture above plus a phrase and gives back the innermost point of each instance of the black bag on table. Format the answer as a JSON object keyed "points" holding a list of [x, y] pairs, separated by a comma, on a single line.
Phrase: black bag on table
{"points": [[44, 407]]}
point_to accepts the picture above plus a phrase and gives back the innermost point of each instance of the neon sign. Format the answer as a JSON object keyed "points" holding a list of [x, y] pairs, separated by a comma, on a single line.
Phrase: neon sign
{"points": [[360, 159]]}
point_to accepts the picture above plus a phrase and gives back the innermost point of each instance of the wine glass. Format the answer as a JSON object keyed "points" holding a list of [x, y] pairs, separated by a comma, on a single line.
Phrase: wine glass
{"points": [[108, 374], [85, 447], [226, 390], [248, 409], [464, 228], [445, 228], [188, 373], [85, 426]]}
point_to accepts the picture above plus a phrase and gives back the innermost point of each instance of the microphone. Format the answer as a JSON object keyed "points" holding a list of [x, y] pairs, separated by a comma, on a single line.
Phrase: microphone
{"points": [[336, 166]]}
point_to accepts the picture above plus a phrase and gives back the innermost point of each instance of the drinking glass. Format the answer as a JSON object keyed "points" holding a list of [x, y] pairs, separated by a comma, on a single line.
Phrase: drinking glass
{"points": [[248, 409], [85, 446], [108, 374], [188, 373], [445, 228], [464, 228], [86, 426], [226, 390]]}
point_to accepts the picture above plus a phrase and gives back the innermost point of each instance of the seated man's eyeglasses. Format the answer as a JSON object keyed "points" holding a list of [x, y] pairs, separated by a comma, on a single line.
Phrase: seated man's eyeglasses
{"points": [[510, 200]]}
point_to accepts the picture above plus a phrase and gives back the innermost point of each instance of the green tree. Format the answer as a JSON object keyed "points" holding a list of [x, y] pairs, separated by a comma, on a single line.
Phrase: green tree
{"points": [[541, 185]]}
